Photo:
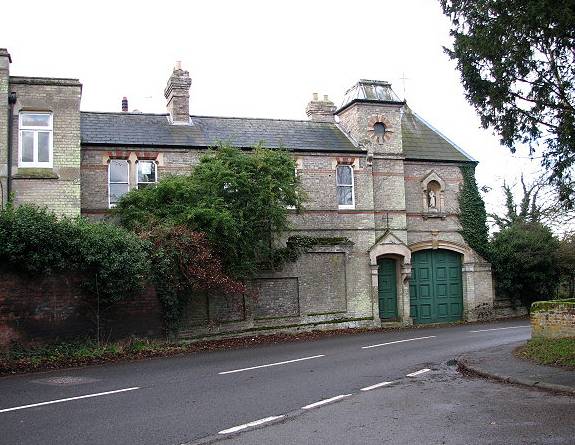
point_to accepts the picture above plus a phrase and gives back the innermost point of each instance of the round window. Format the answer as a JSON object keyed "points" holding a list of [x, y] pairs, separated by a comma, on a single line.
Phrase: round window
{"points": [[379, 129]]}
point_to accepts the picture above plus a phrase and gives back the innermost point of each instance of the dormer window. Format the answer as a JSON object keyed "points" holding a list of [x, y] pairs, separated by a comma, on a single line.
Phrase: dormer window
{"points": [[35, 140]]}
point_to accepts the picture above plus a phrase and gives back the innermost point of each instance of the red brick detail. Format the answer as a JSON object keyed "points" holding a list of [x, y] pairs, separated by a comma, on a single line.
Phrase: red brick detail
{"points": [[147, 155], [345, 160], [36, 310], [119, 154]]}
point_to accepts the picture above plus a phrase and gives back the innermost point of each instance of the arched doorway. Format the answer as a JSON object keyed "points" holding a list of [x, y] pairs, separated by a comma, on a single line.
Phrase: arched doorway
{"points": [[387, 288], [436, 287]]}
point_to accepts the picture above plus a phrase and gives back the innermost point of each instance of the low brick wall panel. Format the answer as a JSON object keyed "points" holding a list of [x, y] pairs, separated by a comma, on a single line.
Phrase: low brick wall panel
{"points": [[39, 310]]}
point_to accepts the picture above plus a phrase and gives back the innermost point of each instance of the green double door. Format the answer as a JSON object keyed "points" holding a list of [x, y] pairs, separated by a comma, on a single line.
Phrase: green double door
{"points": [[435, 288], [387, 288]]}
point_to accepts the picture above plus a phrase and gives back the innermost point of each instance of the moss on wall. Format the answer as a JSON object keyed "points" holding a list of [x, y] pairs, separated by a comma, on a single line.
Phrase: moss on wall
{"points": [[543, 306]]}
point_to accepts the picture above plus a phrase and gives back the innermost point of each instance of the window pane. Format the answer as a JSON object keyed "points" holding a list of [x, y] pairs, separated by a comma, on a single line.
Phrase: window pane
{"points": [[369, 93], [344, 175], [379, 129], [344, 195], [116, 192], [146, 171], [35, 120], [118, 170], [43, 146], [27, 146]]}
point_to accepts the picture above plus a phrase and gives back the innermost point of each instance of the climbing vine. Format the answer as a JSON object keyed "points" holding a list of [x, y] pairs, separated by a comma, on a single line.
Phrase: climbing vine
{"points": [[184, 264], [473, 216]]}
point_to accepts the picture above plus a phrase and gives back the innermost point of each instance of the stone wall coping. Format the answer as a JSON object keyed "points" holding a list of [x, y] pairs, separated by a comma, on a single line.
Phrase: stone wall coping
{"points": [[64, 82], [543, 306], [35, 173]]}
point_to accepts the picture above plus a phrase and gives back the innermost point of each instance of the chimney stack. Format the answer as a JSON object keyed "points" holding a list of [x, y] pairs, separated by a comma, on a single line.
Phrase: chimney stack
{"points": [[124, 104], [177, 93], [320, 110]]}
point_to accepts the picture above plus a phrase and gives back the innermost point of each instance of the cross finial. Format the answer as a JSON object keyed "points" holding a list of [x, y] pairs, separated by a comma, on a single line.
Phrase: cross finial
{"points": [[403, 79]]}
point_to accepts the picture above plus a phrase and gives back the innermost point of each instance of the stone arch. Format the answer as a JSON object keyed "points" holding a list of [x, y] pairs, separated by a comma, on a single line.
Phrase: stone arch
{"points": [[389, 246], [447, 245], [432, 176], [397, 250]]}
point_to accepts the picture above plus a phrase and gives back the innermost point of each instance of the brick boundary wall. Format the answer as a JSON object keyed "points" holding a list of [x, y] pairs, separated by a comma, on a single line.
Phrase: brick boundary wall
{"points": [[553, 319], [51, 308]]}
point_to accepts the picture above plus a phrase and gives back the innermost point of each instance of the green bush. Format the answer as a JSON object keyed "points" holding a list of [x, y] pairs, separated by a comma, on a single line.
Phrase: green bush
{"points": [[112, 261], [238, 199], [523, 260], [33, 240]]}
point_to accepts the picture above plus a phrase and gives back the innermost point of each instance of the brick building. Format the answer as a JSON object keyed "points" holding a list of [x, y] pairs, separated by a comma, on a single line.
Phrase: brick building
{"points": [[375, 172]]}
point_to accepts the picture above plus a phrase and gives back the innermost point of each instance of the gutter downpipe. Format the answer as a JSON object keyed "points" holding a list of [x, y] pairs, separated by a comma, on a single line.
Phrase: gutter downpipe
{"points": [[11, 102]]}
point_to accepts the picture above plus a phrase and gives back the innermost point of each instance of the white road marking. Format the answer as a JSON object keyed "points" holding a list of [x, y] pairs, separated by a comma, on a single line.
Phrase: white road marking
{"points": [[421, 371], [271, 364], [377, 385], [323, 402], [68, 399], [247, 425], [398, 341], [501, 329]]}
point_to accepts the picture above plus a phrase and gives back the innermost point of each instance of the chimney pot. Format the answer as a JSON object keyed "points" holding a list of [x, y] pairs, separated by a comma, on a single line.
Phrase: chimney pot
{"points": [[320, 111], [124, 104]]}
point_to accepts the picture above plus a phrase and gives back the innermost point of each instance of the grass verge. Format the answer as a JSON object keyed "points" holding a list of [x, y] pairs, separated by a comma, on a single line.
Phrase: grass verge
{"points": [[550, 351], [21, 359]]}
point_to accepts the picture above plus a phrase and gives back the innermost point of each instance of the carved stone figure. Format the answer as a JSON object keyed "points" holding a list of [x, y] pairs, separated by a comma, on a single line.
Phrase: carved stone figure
{"points": [[432, 200]]}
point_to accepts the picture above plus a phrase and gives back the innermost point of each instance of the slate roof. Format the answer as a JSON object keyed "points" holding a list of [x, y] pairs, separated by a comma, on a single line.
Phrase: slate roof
{"points": [[423, 142], [155, 130], [420, 140]]}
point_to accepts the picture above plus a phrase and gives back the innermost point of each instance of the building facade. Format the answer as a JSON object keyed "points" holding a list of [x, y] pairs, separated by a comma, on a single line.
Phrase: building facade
{"points": [[374, 171]]}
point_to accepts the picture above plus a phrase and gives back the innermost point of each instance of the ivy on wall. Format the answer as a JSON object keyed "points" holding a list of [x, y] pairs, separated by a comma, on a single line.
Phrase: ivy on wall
{"points": [[296, 245], [473, 216]]}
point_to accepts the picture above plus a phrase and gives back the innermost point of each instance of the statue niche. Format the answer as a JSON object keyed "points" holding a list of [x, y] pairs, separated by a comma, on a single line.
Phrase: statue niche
{"points": [[432, 187], [433, 191]]}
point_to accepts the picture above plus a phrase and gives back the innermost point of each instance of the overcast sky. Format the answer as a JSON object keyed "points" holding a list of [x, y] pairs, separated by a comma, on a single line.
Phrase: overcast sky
{"points": [[255, 59]]}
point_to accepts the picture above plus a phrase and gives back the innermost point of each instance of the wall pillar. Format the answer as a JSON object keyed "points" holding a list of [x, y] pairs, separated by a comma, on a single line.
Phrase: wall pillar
{"points": [[467, 272], [375, 292], [4, 91], [404, 304]]}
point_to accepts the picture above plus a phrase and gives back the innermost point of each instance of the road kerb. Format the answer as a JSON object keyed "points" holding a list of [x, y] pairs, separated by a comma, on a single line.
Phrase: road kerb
{"points": [[477, 370]]}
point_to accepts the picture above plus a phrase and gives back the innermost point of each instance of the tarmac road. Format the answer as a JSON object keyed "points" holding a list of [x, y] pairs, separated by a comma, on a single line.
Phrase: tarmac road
{"points": [[194, 397], [440, 407]]}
